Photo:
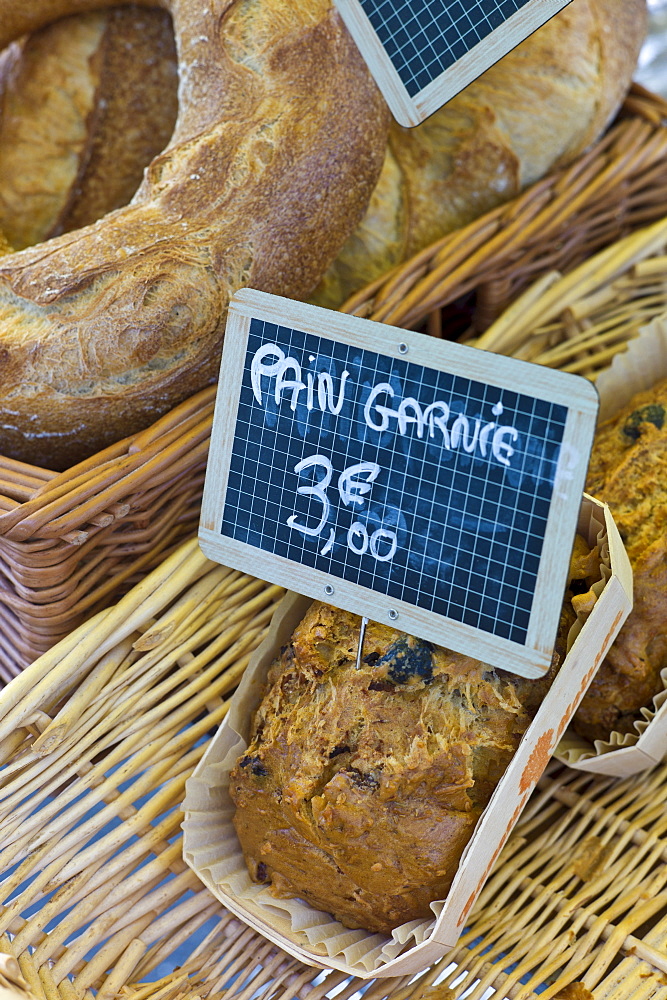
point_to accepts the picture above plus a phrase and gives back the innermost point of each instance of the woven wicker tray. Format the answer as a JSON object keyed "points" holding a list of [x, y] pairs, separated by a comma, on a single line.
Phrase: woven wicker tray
{"points": [[71, 542], [97, 739], [580, 321]]}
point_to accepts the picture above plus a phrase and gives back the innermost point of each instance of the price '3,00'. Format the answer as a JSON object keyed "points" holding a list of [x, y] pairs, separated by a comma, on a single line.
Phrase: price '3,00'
{"points": [[354, 483]]}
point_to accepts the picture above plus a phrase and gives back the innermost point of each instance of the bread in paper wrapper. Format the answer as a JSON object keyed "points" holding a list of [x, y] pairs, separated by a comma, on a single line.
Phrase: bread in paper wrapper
{"points": [[639, 368], [213, 851]]}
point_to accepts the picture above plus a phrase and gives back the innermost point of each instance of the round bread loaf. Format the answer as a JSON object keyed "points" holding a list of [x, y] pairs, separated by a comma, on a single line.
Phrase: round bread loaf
{"points": [[628, 470], [278, 144], [537, 108], [360, 788], [85, 105]]}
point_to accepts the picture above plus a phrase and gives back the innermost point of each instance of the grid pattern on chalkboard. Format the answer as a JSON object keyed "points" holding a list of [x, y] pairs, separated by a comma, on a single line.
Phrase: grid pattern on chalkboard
{"points": [[442, 528], [423, 38]]}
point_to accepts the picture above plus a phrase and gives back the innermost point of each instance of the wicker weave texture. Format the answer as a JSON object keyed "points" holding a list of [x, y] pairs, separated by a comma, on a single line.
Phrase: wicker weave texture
{"points": [[97, 739], [71, 542], [580, 321]]}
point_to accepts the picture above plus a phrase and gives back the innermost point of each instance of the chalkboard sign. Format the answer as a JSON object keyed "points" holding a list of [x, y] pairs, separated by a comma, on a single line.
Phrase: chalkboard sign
{"points": [[423, 52], [411, 480]]}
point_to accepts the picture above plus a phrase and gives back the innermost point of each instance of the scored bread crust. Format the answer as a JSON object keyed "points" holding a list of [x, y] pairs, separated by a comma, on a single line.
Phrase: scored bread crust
{"points": [[536, 109], [278, 143], [37, 169], [85, 104], [134, 115]]}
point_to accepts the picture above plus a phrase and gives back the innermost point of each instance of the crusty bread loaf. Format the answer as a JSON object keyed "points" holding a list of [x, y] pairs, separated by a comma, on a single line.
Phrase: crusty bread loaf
{"points": [[85, 105], [35, 171], [537, 108], [360, 788], [628, 470], [279, 141]]}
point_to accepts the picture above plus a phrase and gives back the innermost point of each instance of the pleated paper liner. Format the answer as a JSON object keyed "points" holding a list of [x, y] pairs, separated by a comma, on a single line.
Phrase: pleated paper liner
{"points": [[212, 849], [640, 367]]}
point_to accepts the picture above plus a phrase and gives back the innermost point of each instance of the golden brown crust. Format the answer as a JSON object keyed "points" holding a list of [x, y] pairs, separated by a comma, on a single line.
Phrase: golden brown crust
{"points": [[628, 470], [537, 108], [355, 792], [85, 104], [277, 146], [47, 92], [133, 115], [361, 787]]}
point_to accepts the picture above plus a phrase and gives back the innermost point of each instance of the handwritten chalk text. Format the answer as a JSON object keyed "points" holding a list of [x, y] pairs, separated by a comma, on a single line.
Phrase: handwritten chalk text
{"points": [[435, 420]]}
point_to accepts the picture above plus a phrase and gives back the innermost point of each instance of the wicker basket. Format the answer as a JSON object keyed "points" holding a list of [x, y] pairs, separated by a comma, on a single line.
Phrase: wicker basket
{"points": [[71, 542], [97, 739], [580, 321]]}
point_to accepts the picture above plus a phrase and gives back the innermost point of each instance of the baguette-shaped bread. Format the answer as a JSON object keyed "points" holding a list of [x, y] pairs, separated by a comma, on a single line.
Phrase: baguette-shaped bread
{"points": [[536, 109], [85, 105], [277, 146]]}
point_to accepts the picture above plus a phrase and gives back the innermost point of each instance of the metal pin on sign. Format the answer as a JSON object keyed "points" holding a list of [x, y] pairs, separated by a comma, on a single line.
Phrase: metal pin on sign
{"points": [[362, 633]]}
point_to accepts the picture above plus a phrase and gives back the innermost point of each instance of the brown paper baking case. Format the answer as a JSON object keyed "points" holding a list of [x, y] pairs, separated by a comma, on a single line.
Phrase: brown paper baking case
{"points": [[212, 849], [622, 754]]}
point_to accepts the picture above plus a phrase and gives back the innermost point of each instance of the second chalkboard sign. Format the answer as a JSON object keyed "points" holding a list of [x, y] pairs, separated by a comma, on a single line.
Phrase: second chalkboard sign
{"points": [[410, 480], [423, 52]]}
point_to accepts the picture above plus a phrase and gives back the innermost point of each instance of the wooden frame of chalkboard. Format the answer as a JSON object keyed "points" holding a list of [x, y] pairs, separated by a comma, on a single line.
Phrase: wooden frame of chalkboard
{"points": [[420, 58], [424, 484]]}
